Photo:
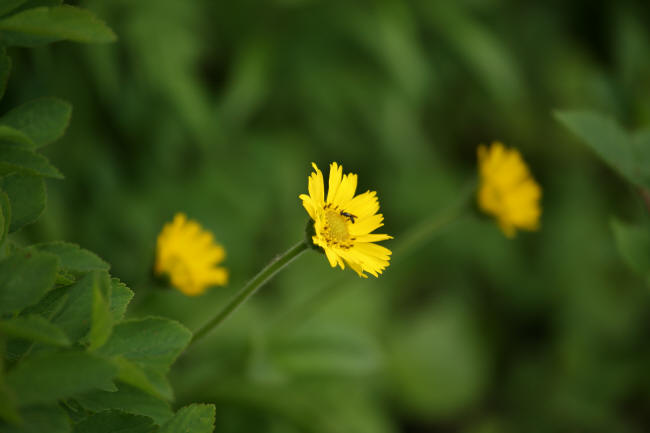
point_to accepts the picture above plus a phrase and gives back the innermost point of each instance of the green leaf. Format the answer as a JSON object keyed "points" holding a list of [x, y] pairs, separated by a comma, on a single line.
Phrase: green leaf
{"points": [[14, 158], [112, 421], [195, 418], [50, 419], [5, 216], [51, 376], [12, 135], [128, 399], [34, 328], [73, 258], [24, 279], [43, 120], [145, 349], [121, 295], [633, 244], [5, 70], [78, 317], [7, 6], [43, 25], [102, 318], [27, 198], [605, 137]]}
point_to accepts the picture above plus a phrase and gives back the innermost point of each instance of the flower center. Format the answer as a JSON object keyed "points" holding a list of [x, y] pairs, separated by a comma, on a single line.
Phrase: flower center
{"points": [[337, 227]]}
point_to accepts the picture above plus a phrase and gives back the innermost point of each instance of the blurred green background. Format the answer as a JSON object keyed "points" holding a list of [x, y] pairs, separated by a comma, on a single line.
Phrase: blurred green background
{"points": [[217, 109]]}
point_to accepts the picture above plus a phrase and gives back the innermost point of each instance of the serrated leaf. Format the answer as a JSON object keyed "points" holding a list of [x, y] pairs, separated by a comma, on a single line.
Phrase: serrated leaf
{"points": [[12, 135], [34, 328], [121, 295], [14, 158], [44, 25], [50, 419], [112, 421], [24, 278], [43, 120], [47, 377], [195, 418], [73, 258], [76, 316], [633, 244], [607, 138], [5, 70], [26, 195], [146, 348], [102, 319], [128, 399], [5, 206]]}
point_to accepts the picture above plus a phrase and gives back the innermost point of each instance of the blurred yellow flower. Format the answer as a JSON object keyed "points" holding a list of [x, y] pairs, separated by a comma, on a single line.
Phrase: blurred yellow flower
{"points": [[189, 256], [507, 190], [343, 223]]}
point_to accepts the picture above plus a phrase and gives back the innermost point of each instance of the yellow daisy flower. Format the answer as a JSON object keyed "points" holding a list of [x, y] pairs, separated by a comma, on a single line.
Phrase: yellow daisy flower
{"points": [[507, 190], [189, 256], [343, 223]]}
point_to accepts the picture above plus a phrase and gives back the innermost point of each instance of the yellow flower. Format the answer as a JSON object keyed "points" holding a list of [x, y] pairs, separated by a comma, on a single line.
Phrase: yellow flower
{"points": [[343, 223], [189, 256], [507, 190]]}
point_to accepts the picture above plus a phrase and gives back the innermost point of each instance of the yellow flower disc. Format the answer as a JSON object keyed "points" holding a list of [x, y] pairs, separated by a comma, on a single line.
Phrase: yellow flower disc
{"points": [[189, 256], [343, 223], [507, 190]]}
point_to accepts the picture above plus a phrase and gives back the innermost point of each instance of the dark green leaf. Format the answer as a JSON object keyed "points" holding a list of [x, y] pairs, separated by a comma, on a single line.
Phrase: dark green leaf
{"points": [[43, 120], [27, 198], [5, 205], [633, 243], [34, 328], [128, 399], [112, 421], [7, 6], [73, 257], [195, 418], [44, 25], [48, 377], [5, 70], [24, 279], [151, 381], [12, 135], [39, 419], [120, 298], [76, 316], [14, 158], [8, 406]]}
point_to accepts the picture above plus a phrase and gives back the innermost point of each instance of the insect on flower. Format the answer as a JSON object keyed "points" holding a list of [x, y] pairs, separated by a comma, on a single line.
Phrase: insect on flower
{"points": [[349, 215]]}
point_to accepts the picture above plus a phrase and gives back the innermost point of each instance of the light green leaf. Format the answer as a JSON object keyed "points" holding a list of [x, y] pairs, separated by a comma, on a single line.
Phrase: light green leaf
{"points": [[633, 243], [14, 158], [195, 418], [24, 279], [112, 421], [102, 318], [121, 295], [48, 377], [73, 258], [26, 195], [5, 70], [12, 135], [43, 25], [605, 137], [43, 120], [128, 399], [34, 328], [50, 419], [5, 206]]}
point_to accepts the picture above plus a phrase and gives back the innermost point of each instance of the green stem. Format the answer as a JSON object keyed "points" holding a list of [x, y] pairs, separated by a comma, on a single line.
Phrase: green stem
{"points": [[251, 287]]}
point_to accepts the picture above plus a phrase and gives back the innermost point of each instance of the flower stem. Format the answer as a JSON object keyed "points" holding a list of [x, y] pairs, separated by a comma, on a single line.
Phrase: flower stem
{"points": [[250, 288]]}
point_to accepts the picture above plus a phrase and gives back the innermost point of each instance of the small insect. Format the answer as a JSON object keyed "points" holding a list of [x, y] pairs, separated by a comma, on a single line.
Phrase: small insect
{"points": [[349, 215]]}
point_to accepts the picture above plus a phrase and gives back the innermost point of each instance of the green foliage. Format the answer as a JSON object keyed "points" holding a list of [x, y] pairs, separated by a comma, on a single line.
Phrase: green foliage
{"points": [[42, 120], [196, 418], [43, 25], [34, 328], [26, 194], [115, 421], [633, 243], [24, 278]]}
